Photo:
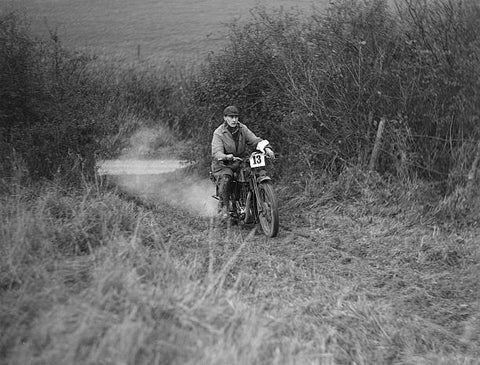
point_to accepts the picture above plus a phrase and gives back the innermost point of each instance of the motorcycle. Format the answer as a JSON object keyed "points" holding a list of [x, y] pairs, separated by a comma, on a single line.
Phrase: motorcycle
{"points": [[252, 198]]}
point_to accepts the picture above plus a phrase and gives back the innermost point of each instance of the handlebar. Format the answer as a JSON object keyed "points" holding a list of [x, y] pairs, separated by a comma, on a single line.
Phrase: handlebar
{"points": [[254, 161], [246, 158]]}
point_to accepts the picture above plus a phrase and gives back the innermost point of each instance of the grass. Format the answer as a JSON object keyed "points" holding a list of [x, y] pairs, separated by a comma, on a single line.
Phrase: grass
{"points": [[178, 30], [97, 278]]}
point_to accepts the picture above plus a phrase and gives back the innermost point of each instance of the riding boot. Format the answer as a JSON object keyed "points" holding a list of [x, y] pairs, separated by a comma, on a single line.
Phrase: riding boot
{"points": [[224, 193]]}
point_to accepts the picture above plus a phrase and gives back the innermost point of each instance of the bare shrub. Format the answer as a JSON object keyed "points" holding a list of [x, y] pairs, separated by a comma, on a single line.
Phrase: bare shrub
{"points": [[317, 85], [59, 107]]}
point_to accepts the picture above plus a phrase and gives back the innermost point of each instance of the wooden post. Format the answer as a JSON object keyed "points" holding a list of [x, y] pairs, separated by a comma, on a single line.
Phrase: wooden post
{"points": [[376, 146], [363, 157], [473, 169]]}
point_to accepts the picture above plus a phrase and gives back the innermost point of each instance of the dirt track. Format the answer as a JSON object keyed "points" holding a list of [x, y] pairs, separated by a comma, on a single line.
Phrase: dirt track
{"points": [[138, 167]]}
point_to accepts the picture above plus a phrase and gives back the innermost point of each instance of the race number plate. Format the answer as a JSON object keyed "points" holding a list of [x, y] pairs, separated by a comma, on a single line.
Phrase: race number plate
{"points": [[257, 160]]}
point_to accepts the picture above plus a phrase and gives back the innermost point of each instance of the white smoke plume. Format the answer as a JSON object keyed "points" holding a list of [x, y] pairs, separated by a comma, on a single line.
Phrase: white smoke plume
{"points": [[160, 179], [150, 141], [177, 189]]}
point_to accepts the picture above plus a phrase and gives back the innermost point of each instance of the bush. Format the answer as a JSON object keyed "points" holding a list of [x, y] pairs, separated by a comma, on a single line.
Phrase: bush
{"points": [[62, 109], [316, 86], [42, 94]]}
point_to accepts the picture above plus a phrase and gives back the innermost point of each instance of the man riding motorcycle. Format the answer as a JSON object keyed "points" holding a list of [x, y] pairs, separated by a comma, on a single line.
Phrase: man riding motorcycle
{"points": [[229, 144]]}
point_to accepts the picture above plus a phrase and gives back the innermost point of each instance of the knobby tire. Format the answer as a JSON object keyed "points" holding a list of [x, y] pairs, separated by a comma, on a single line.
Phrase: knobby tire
{"points": [[269, 220]]}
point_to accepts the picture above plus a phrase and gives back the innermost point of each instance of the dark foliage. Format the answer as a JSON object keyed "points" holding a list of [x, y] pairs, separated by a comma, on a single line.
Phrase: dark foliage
{"points": [[59, 109], [316, 86], [43, 88]]}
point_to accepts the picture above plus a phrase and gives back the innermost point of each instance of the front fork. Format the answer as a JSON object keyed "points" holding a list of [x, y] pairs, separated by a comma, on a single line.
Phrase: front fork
{"points": [[254, 187]]}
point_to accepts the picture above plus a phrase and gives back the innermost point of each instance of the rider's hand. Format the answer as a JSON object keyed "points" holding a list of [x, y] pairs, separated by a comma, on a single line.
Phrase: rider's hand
{"points": [[270, 153], [229, 157]]}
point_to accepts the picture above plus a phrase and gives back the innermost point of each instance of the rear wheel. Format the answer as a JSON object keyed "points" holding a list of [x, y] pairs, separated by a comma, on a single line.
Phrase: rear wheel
{"points": [[268, 217], [240, 203]]}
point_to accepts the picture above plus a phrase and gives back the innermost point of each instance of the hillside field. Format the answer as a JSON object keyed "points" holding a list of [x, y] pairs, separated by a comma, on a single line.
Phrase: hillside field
{"points": [[166, 29]]}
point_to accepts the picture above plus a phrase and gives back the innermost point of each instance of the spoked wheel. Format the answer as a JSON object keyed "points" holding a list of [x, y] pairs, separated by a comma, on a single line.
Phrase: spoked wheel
{"points": [[268, 217]]}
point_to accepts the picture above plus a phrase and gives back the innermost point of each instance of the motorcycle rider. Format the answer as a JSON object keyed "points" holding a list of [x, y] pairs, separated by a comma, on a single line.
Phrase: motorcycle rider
{"points": [[229, 144]]}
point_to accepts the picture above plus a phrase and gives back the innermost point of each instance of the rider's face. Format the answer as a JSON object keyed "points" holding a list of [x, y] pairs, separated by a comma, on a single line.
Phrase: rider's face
{"points": [[232, 120]]}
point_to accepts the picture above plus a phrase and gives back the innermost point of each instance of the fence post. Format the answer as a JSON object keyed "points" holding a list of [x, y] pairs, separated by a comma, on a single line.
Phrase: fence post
{"points": [[376, 146], [473, 169]]}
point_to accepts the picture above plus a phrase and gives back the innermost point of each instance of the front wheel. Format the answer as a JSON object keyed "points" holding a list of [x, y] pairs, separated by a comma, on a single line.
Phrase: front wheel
{"points": [[268, 216]]}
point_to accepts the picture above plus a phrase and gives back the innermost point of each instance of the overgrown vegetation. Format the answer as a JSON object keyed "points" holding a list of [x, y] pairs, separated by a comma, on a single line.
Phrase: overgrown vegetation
{"points": [[315, 85], [318, 85], [62, 109], [356, 275], [88, 277]]}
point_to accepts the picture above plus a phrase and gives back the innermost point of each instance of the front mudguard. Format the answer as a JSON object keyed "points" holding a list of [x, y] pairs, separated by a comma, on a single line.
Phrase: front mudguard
{"points": [[263, 178]]}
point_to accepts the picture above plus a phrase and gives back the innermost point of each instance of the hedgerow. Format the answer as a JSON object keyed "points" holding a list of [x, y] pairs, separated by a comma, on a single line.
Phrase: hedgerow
{"points": [[318, 85], [315, 85], [61, 110]]}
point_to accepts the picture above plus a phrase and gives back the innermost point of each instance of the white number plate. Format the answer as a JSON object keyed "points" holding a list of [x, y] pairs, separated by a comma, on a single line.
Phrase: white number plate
{"points": [[257, 160]]}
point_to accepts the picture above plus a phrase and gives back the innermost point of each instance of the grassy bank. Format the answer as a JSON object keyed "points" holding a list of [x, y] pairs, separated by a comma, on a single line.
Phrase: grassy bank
{"points": [[89, 277]]}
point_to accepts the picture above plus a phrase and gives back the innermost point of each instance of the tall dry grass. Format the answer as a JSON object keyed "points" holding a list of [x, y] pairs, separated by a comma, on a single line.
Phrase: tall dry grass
{"points": [[89, 277]]}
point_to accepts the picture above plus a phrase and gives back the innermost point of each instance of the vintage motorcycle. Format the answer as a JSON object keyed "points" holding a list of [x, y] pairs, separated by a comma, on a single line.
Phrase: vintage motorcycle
{"points": [[252, 199]]}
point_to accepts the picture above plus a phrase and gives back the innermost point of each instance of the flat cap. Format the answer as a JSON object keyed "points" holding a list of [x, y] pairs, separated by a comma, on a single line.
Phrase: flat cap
{"points": [[230, 110]]}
